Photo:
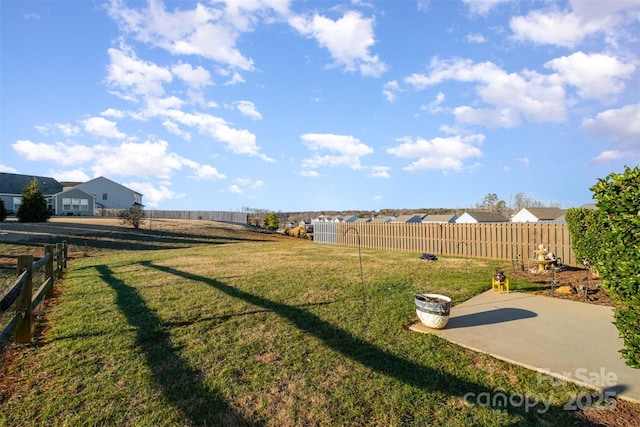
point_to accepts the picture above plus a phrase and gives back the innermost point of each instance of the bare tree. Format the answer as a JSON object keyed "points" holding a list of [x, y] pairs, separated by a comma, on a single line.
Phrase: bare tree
{"points": [[132, 216]]}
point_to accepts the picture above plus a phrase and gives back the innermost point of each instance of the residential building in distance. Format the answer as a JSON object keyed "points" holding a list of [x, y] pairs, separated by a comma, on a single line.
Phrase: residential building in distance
{"points": [[12, 185], [539, 215], [480, 217], [440, 219], [110, 194], [69, 198]]}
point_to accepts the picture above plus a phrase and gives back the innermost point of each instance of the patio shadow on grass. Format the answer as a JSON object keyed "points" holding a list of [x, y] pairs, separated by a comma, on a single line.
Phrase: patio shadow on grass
{"points": [[180, 383], [363, 352]]}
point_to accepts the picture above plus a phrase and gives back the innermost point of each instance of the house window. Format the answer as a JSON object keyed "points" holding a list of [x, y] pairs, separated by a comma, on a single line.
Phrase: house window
{"points": [[104, 196], [17, 201], [75, 204]]}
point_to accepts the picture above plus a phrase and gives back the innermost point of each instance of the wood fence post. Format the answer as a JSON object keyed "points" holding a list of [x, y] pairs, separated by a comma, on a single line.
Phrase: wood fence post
{"points": [[64, 259], [60, 260], [48, 268], [23, 303]]}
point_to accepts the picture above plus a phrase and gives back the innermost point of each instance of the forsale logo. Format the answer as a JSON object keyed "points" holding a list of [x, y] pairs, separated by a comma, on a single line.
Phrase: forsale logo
{"points": [[601, 378], [499, 399]]}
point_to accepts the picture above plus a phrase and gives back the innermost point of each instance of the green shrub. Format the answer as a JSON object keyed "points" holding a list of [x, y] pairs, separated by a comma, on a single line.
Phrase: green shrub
{"points": [[584, 227], [618, 258], [3, 211], [34, 206], [271, 221]]}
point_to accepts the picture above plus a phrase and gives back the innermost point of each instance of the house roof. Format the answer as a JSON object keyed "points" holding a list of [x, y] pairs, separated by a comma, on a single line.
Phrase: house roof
{"points": [[368, 219], [439, 218], [13, 183], [548, 214], [74, 189], [382, 218], [409, 218], [487, 216], [102, 178]]}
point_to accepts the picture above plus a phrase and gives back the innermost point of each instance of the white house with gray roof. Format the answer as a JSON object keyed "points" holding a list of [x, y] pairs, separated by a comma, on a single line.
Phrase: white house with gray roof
{"points": [[538, 215], [12, 185], [111, 195], [481, 217]]}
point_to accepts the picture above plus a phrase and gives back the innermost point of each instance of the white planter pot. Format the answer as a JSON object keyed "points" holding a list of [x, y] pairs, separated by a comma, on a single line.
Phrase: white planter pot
{"points": [[433, 309]]}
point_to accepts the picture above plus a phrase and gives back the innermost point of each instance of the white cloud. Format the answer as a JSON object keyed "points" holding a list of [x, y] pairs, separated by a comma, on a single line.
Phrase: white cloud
{"points": [[243, 184], [612, 155], [621, 126], [131, 77], [207, 173], [258, 184], [152, 195], [537, 97], [475, 38], [112, 112], [195, 78], [557, 28], [190, 32], [75, 175], [597, 76], [348, 148], [439, 153], [7, 169], [58, 152], [348, 40], [247, 108], [235, 79], [100, 126], [379, 172], [423, 5], [174, 129], [239, 141], [68, 129], [310, 173], [202, 172], [235, 189], [149, 158], [492, 118], [154, 107], [434, 106], [482, 7], [42, 129], [569, 28], [390, 90]]}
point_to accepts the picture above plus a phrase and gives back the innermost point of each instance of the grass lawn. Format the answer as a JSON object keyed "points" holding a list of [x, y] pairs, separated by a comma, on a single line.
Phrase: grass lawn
{"points": [[243, 331]]}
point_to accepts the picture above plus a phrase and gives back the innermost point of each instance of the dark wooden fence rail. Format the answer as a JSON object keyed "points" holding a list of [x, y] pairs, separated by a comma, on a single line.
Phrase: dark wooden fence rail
{"points": [[22, 292], [504, 241]]}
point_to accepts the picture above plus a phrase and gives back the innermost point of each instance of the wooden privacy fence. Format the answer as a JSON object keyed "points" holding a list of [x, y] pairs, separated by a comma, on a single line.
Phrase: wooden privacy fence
{"points": [[21, 291], [506, 241]]}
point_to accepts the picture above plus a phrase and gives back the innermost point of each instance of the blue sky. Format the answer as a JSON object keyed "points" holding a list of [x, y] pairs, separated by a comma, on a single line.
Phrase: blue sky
{"points": [[321, 105]]}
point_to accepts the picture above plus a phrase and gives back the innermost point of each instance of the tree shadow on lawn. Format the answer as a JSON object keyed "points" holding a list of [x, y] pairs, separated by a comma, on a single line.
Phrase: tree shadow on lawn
{"points": [[181, 384], [120, 238], [367, 354]]}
